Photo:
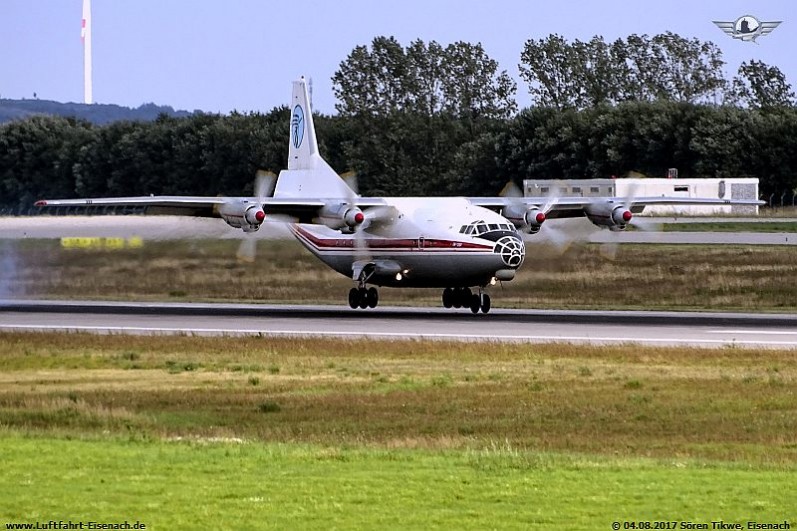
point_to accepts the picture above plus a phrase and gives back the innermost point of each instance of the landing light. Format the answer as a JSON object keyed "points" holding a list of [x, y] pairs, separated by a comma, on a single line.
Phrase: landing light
{"points": [[493, 281], [398, 276]]}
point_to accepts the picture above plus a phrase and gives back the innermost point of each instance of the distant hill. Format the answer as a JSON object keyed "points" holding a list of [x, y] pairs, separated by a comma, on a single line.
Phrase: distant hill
{"points": [[96, 113]]}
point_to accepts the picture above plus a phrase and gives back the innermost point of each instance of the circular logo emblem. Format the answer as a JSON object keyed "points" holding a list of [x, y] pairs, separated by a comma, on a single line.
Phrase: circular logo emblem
{"points": [[746, 24], [511, 249], [297, 126]]}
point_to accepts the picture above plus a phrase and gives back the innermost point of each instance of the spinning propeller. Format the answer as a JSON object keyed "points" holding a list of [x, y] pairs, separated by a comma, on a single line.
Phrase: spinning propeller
{"points": [[534, 217], [369, 218], [561, 236], [265, 184], [609, 249]]}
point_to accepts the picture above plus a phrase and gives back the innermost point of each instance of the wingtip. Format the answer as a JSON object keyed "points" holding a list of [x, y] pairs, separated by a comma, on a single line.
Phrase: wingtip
{"points": [[40, 203]]}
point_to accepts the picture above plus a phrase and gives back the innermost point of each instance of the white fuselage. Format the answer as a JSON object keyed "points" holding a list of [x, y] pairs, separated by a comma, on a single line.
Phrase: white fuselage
{"points": [[427, 244]]}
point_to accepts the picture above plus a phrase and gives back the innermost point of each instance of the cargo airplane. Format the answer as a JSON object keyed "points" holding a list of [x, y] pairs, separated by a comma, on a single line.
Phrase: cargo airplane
{"points": [[460, 244]]}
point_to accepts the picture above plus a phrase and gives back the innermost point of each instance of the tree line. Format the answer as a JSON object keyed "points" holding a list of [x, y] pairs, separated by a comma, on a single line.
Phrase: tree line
{"points": [[96, 113], [432, 120], [669, 67]]}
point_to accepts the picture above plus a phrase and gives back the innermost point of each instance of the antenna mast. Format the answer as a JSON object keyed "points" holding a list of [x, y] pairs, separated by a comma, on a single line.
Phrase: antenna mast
{"points": [[85, 35]]}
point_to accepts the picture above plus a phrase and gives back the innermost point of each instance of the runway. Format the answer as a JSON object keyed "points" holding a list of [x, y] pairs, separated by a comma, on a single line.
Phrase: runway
{"points": [[695, 329]]}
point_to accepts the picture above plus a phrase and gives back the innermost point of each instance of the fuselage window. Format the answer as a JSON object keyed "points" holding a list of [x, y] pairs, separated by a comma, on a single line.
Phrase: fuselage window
{"points": [[494, 226], [469, 229], [463, 229]]}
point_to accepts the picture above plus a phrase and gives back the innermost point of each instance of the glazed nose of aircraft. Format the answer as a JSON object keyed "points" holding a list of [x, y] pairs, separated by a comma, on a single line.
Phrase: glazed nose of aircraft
{"points": [[511, 249]]}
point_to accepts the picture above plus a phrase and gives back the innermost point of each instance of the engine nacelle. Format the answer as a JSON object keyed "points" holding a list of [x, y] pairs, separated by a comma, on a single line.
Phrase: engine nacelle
{"points": [[529, 219], [341, 217], [245, 216], [615, 217]]}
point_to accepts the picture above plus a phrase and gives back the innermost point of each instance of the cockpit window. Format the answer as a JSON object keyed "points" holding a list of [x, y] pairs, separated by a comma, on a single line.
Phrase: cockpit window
{"points": [[479, 227]]}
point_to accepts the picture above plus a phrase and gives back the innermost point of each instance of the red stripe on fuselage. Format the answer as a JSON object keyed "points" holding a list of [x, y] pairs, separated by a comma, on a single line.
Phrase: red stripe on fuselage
{"points": [[388, 244]]}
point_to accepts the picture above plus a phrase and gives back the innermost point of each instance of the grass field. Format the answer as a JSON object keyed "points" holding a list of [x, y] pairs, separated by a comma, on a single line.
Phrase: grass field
{"points": [[641, 276], [191, 485], [185, 432], [279, 433]]}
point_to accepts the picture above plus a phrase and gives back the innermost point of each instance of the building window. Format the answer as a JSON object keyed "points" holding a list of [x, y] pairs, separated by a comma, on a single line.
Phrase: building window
{"points": [[682, 188], [594, 190]]}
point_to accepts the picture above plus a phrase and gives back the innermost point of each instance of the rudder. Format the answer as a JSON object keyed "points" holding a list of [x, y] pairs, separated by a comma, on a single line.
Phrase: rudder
{"points": [[308, 174]]}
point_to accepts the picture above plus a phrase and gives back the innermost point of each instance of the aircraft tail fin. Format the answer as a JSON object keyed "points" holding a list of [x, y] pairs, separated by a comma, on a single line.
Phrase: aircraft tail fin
{"points": [[308, 174]]}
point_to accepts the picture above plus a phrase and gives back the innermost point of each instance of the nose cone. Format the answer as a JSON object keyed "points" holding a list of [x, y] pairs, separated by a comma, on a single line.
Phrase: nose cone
{"points": [[511, 249]]}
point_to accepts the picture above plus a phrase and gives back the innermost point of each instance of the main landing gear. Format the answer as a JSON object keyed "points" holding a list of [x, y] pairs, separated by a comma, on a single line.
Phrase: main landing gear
{"points": [[363, 297], [465, 298]]}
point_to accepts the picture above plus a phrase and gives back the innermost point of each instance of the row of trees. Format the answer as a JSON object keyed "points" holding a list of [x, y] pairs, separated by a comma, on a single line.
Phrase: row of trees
{"points": [[461, 79], [427, 79], [96, 113], [400, 153], [580, 74], [434, 120]]}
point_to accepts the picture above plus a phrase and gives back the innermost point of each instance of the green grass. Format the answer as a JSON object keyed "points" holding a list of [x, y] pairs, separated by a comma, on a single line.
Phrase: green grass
{"points": [[186, 432], [716, 404], [230, 485]]}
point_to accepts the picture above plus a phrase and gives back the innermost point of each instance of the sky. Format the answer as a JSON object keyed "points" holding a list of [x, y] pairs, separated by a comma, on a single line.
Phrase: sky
{"points": [[224, 55]]}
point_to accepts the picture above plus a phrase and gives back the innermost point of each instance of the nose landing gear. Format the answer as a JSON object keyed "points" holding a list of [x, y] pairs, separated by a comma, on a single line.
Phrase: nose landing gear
{"points": [[465, 298]]}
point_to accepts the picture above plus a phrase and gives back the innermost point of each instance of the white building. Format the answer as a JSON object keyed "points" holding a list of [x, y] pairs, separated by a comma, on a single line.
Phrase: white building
{"points": [[732, 188]]}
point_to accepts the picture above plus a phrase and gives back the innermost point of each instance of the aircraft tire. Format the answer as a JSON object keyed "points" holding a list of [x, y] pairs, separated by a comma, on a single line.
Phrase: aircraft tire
{"points": [[457, 298], [486, 304], [354, 298], [362, 294], [448, 295], [475, 305], [373, 297]]}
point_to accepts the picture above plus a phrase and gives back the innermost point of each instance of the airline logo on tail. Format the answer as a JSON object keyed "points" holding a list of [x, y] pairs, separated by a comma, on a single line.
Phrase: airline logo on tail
{"points": [[297, 126]]}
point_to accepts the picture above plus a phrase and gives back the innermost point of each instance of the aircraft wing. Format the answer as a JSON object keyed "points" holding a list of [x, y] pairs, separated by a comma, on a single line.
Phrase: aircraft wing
{"points": [[152, 205], [303, 210], [569, 207]]}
